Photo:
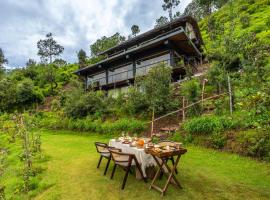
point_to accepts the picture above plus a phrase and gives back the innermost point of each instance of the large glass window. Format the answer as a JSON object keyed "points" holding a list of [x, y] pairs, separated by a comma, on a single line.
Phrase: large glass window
{"points": [[97, 79], [121, 73], [144, 66]]}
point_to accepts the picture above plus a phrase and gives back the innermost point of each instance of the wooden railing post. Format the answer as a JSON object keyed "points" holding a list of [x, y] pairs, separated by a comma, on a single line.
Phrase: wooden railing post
{"points": [[152, 124], [230, 94], [183, 110]]}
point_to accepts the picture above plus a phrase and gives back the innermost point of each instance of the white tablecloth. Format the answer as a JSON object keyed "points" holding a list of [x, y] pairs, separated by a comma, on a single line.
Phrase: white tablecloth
{"points": [[146, 160]]}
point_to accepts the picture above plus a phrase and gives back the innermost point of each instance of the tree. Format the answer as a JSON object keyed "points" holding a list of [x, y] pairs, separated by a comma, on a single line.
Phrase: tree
{"points": [[170, 5], [31, 62], [161, 21], [48, 48], [157, 88], [105, 43], [135, 29], [193, 9], [59, 62], [3, 61], [82, 58]]}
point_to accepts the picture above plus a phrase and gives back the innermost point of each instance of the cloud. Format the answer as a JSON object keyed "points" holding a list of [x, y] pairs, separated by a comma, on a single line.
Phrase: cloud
{"points": [[74, 24]]}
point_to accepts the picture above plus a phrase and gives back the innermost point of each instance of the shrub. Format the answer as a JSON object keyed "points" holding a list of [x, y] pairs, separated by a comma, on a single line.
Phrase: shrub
{"points": [[191, 91], [56, 121], [156, 86], [255, 143], [208, 125], [79, 104], [217, 140], [245, 21]]}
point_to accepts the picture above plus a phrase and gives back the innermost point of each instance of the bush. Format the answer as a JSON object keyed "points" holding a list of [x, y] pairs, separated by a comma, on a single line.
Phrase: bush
{"points": [[245, 21], [191, 91], [208, 125], [255, 143], [79, 104], [131, 125], [217, 141]]}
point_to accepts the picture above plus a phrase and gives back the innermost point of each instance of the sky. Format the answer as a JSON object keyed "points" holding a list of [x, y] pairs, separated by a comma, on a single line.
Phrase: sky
{"points": [[75, 24]]}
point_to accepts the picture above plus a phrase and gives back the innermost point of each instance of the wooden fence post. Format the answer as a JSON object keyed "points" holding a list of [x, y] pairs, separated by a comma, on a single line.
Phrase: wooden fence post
{"points": [[152, 124], [183, 110], [230, 94]]}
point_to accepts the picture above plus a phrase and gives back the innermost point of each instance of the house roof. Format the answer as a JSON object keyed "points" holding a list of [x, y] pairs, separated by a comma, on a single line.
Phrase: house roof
{"points": [[156, 32], [172, 31]]}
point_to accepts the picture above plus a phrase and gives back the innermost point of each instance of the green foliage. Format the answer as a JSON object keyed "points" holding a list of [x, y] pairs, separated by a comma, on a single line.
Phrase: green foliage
{"points": [[217, 140], [157, 88], [191, 91], [135, 102], [80, 104], [48, 48], [58, 121], [3, 60], [82, 57], [255, 143], [105, 43], [161, 21], [245, 21], [206, 125], [18, 95], [135, 29]]}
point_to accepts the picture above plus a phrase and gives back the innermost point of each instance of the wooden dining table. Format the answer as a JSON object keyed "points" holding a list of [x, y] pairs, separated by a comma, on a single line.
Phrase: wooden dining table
{"points": [[161, 158], [145, 160]]}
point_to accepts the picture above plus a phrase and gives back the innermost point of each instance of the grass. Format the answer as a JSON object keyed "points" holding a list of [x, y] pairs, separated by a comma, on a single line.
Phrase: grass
{"points": [[204, 173]]}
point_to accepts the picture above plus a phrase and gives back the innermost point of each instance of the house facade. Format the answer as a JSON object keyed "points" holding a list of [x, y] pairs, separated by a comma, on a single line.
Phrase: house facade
{"points": [[176, 44]]}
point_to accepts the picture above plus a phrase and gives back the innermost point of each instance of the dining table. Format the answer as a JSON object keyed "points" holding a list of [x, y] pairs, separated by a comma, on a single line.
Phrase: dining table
{"points": [[144, 159]]}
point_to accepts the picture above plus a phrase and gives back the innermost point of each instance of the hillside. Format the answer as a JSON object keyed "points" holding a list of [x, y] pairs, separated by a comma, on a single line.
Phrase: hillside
{"points": [[250, 16]]}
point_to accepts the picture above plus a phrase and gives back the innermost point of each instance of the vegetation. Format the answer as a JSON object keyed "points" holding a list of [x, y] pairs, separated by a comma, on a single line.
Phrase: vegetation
{"points": [[204, 173], [21, 158], [237, 45]]}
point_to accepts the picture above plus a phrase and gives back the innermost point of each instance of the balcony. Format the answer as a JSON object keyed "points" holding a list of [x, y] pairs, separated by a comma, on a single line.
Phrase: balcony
{"points": [[141, 70]]}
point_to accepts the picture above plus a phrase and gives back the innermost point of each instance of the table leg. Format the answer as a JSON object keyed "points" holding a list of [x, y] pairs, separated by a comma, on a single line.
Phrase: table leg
{"points": [[171, 177], [157, 173]]}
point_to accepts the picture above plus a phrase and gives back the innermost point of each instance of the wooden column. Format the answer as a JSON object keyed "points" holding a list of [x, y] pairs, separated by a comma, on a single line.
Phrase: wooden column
{"points": [[134, 67], [107, 76], [183, 110]]}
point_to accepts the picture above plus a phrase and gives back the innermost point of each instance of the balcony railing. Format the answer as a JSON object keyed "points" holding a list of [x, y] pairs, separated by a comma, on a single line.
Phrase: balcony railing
{"points": [[125, 75]]}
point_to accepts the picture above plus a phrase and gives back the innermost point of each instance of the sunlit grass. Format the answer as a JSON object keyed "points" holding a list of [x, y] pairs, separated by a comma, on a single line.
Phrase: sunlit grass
{"points": [[204, 173]]}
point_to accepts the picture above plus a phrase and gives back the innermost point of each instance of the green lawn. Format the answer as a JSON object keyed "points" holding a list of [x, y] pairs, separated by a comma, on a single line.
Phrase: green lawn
{"points": [[204, 174]]}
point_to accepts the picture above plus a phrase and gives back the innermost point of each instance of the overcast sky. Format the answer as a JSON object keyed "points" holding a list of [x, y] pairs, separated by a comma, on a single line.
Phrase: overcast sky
{"points": [[75, 24]]}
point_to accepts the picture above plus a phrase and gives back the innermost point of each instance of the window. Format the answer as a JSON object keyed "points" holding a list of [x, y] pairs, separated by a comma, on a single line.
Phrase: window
{"points": [[144, 66], [121, 73], [99, 79]]}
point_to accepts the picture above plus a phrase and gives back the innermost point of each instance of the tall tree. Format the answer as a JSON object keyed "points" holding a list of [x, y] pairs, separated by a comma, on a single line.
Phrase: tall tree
{"points": [[170, 5], [3, 61], [161, 21], [193, 9], [30, 62], [82, 58], [135, 29], [105, 43], [49, 48]]}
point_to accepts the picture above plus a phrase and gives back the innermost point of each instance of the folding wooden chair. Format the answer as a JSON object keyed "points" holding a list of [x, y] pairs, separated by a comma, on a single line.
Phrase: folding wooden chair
{"points": [[126, 161], [103, 150]]}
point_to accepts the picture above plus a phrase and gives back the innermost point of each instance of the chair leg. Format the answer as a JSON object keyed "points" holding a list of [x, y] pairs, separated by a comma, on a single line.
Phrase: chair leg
{"points": [[125, 178], [99, 161], [108, 163], [114, 167], [172, 159]]}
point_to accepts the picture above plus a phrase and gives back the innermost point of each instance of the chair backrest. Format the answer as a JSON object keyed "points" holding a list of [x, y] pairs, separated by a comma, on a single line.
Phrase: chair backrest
{"points": [[118, 156], [101, 147], [166, 143]]}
